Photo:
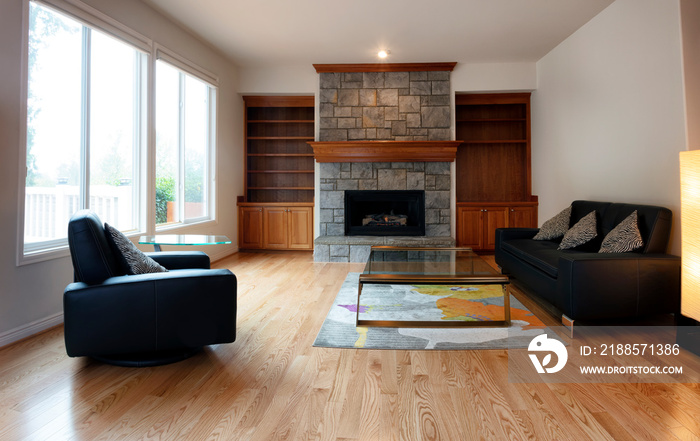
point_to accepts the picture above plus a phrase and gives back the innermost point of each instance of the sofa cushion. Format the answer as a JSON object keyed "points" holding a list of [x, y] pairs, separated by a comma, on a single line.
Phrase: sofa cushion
{"points": [[583, 232], [624, 237], [654, 222], [555, 227], [542, 254]]}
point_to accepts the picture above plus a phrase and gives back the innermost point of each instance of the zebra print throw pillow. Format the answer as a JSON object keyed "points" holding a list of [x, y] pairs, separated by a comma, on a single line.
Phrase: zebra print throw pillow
{"points": [[624, 237], [556, 226], [584, 231], [138, 262]]}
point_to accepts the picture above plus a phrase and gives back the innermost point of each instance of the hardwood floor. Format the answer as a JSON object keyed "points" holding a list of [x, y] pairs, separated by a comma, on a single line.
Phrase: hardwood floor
{"points": [[271, 384]]}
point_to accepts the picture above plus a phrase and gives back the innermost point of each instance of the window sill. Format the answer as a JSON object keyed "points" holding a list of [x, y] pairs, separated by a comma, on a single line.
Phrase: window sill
{"points": [[182, 227], [58, 252], [42, 255]]}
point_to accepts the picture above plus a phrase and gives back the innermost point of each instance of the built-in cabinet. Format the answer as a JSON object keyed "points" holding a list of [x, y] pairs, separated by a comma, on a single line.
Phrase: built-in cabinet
{"points": [[250, 227], [287, 228], [276, 227], [477, 223], [277, 209], [493, 174]]}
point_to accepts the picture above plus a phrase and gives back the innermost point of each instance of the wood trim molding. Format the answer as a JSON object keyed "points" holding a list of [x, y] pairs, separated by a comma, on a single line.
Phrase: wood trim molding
{"points": [[274, 204], [385, 67], [492, 98], [385, 151], [279, 100]]}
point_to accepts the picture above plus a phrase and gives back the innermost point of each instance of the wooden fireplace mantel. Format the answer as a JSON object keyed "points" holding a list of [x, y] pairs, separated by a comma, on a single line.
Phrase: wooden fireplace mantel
{"points": [[385, 151]]}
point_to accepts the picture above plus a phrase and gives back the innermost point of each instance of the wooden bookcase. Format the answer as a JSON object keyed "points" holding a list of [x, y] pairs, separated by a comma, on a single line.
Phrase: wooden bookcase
{"points": [[279, 162], [493, 182], [279, 173]]}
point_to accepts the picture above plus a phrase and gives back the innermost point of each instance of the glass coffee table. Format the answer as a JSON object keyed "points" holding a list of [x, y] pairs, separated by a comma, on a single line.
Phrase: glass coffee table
{"points": [[182, 239], [454, 267]]}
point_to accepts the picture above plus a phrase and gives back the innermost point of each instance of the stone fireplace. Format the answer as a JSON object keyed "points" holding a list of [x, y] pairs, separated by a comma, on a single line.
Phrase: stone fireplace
{"points": [[365, 119]]}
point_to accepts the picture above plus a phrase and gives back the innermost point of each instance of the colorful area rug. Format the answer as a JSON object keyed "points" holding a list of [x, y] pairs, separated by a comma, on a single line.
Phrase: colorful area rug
{"points": [[425, 302]]}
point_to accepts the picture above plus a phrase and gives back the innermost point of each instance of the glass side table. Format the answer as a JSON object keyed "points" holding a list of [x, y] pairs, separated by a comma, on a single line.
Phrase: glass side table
{"points": [[182, 239]]}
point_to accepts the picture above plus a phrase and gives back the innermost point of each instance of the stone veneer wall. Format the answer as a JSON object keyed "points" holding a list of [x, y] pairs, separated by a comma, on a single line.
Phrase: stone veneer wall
{"points": [[399, 106], [395, 106]]}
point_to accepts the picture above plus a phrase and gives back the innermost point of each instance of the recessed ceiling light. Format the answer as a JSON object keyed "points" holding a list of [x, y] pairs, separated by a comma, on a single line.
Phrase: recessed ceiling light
{"points": [[383, 53]]}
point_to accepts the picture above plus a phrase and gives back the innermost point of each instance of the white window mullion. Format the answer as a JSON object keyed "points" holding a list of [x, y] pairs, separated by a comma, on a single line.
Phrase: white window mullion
{"points": [[210, 180], [137, 137], [85, 122], [181, 152]]}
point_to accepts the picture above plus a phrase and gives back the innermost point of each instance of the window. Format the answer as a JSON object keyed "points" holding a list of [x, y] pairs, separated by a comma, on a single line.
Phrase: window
{"points": [[89, 129], [85, 127], [185, 115]]}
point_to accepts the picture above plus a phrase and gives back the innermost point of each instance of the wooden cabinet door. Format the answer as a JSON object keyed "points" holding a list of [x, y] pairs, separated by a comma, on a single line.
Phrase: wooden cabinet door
{"points": [[523, 217], [275, 228], [250, 231], [470, 227], [494, 217], [300, 228]]}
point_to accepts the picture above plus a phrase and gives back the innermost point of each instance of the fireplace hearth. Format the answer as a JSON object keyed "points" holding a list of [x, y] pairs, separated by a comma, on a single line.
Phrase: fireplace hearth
{"points": [[385, 213]]}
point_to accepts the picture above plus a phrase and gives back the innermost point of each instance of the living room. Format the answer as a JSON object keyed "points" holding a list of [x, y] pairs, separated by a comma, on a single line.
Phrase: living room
{"points": [[614, 102]]}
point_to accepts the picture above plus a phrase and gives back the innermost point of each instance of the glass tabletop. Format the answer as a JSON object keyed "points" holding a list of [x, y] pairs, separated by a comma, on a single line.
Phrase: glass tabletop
{"points": [[426, 263], [183, 239]]}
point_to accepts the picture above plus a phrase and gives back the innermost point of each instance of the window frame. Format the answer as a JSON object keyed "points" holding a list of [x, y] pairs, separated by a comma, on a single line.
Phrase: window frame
{"points": [[144, 200], [212, 82]]}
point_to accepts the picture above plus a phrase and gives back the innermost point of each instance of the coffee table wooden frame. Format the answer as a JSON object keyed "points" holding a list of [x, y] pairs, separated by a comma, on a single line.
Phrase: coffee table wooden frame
{"points": [[408, 278]]}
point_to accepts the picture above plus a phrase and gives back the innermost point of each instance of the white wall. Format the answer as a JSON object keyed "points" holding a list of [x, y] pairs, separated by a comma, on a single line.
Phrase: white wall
{"points": [[466, 77], [281, 80], [31, 295], [494, 77], [608, 112]]}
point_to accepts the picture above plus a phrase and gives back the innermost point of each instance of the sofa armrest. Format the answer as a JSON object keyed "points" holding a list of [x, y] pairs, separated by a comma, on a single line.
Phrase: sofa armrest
{"points": [[173, 260], [150, 312], [593, 285]]}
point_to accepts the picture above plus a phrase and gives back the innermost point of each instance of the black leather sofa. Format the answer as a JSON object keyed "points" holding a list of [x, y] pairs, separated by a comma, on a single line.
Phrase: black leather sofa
{"points": [[587, 285], [144, 319]]}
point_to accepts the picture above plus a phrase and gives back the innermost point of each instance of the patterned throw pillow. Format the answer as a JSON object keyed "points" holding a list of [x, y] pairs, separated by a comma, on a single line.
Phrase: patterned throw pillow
{"points": [[584, 231], [624, 237], [138, 262], [556, 226]]}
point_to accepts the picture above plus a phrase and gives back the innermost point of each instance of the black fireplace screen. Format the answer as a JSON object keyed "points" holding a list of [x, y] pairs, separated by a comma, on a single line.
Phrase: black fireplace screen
{"points": [[384, 213]]}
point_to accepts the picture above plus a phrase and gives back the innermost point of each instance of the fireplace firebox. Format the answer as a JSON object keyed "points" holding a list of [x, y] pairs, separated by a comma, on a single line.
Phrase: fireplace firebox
{"points": [[385, 213]]}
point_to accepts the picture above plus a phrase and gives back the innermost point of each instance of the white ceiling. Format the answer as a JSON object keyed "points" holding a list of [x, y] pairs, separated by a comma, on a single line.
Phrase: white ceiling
{"points": [[265, 32]]}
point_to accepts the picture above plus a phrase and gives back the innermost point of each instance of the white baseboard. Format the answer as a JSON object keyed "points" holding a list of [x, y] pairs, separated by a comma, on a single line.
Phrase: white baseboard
{"points": [[30, 329], [220, 255]]}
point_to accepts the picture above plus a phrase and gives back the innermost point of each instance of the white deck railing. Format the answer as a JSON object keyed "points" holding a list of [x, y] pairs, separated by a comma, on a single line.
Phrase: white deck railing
{"points": [[48, 209]]}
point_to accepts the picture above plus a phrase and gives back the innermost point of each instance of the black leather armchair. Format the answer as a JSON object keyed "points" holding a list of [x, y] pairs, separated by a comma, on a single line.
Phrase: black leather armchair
{"points": [[145, 319]]}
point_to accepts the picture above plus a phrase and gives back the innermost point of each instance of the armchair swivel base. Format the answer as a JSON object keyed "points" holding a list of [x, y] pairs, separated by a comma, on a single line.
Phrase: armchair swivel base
{"points": [[148, 359]]}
